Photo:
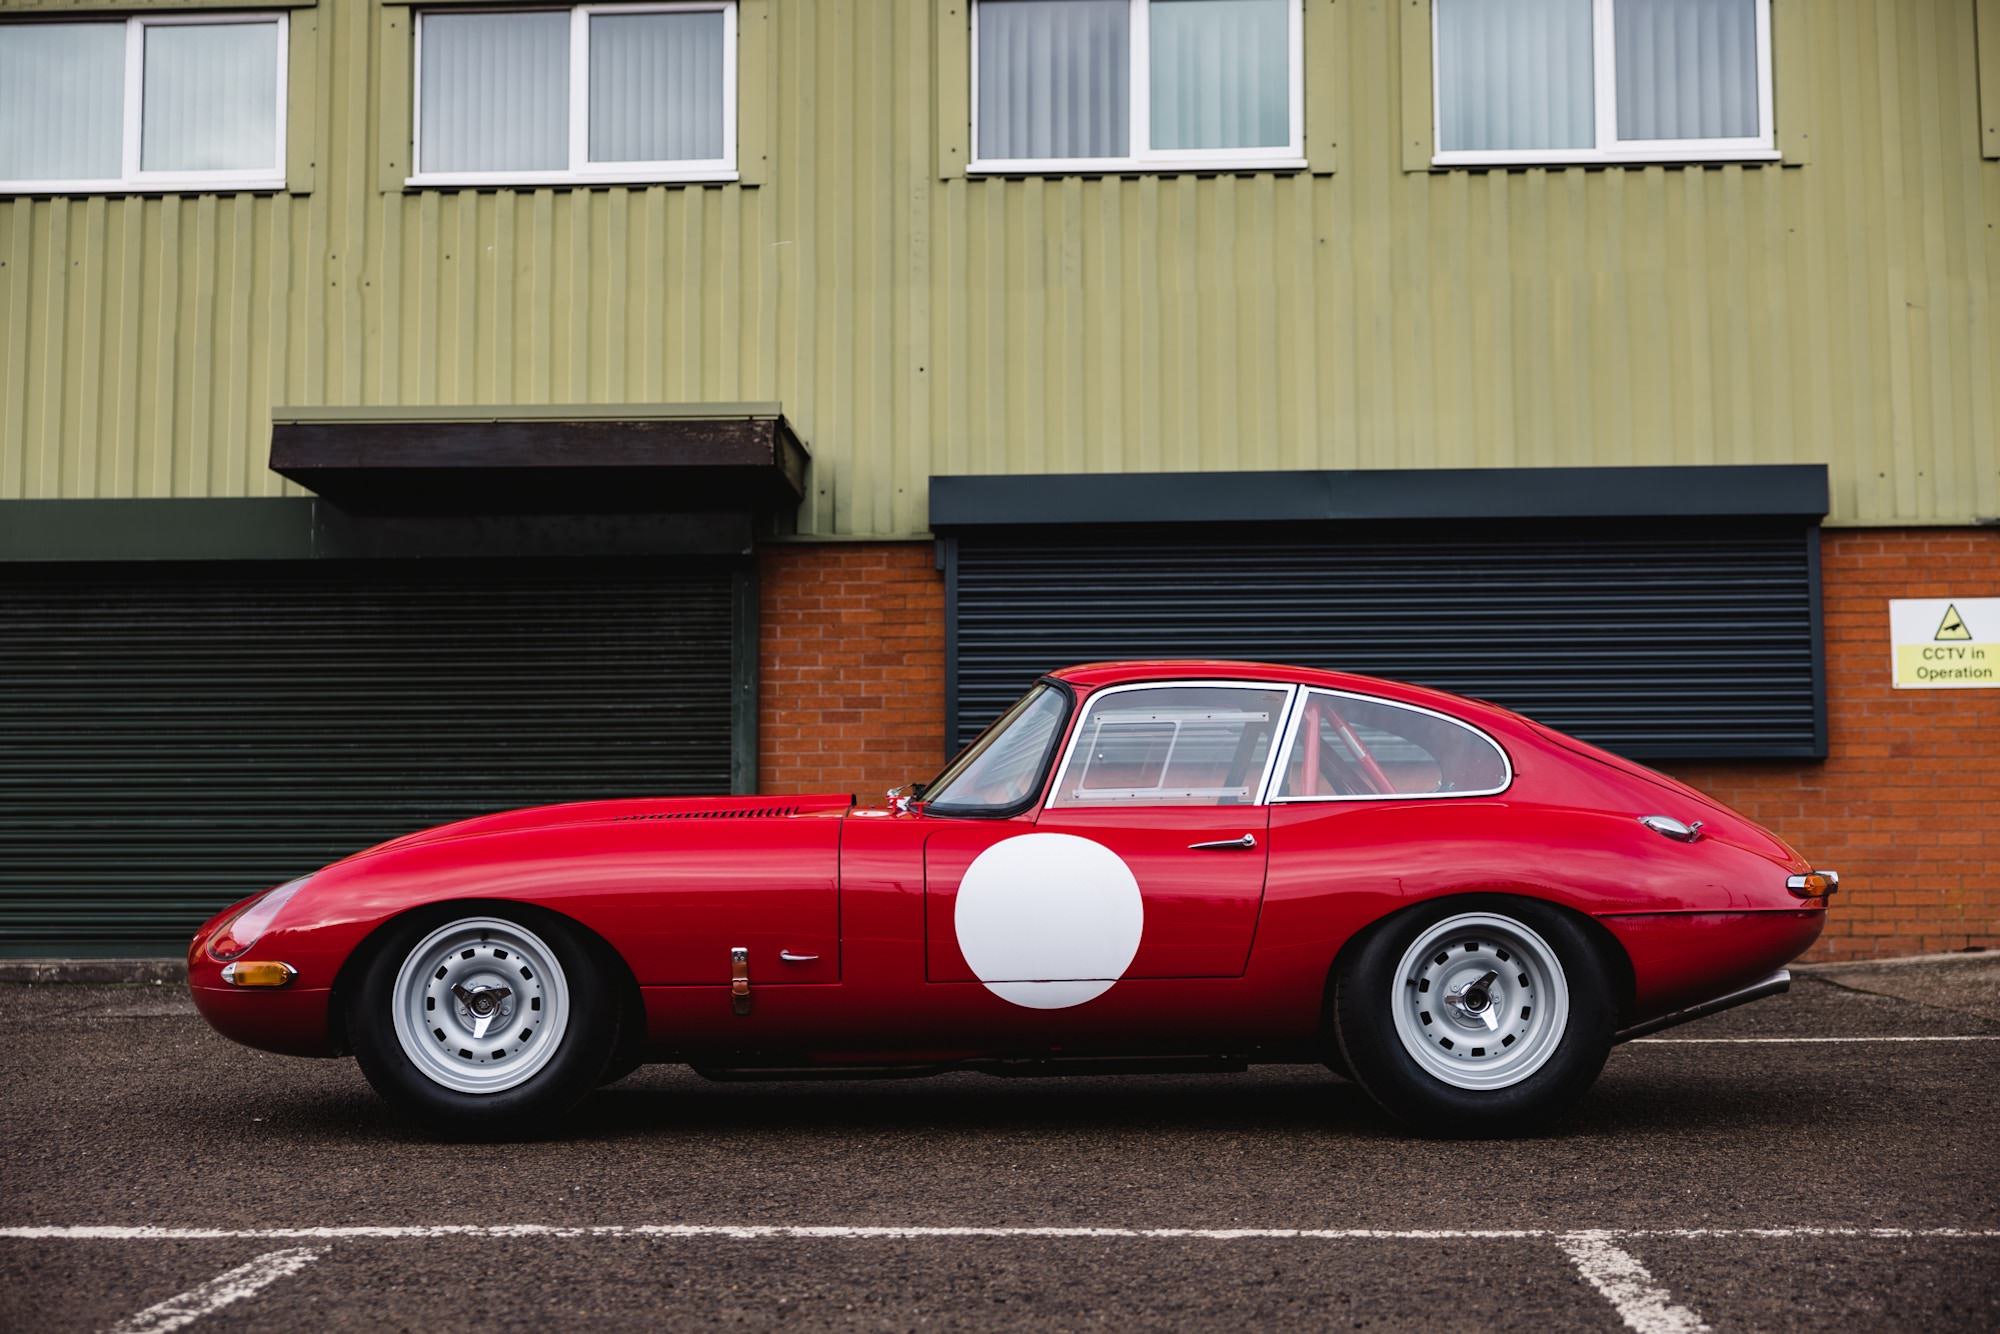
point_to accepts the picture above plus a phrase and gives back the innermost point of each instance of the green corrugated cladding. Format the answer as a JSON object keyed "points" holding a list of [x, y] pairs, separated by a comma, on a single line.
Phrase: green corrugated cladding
{"points": [[1839, 308]]}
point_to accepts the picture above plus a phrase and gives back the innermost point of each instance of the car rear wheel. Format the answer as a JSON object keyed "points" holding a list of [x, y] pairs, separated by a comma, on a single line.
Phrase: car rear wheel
{"points": [[476, 1021], [1476, 1017]]}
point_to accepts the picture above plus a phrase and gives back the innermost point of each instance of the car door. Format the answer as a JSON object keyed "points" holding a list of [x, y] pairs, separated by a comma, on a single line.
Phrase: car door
{"points": [[1147, 860], [1376, 802]]}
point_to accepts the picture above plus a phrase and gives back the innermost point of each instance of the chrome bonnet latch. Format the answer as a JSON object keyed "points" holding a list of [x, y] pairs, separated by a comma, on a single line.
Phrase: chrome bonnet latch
{"points": [[739, 980]]}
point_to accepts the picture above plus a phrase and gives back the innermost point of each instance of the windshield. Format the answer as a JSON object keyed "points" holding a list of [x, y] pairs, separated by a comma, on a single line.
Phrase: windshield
{"points": [[1002, 771]]}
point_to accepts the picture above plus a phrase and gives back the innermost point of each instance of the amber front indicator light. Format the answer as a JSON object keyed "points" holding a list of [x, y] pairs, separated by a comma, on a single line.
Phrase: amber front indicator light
{"points": [[1813, 884], [247, 974]]}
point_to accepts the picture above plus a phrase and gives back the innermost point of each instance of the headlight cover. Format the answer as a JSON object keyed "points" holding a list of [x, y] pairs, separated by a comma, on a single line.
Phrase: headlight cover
{"points": [[240, 932]]}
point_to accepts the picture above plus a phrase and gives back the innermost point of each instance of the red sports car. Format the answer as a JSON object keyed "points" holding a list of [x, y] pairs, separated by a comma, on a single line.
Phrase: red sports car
{"points": [[1139, 867]]}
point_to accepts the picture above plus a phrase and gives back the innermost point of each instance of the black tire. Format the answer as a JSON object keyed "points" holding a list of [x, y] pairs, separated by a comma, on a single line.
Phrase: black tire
{"points": [[630, 1051], [582, 1053], [1365, 988], [620, 1066]]}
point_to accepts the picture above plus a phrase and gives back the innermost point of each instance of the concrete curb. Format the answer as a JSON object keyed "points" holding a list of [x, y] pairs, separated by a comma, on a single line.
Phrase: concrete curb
{"points": [[96, 971]]}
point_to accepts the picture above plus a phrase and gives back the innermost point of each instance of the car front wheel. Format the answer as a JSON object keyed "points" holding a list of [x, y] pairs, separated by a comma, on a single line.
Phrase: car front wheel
{"points": [[475, 1022], [1476, 1017]]}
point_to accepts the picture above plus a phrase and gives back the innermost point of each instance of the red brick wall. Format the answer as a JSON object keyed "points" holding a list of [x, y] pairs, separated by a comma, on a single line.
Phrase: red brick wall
{"points": [[851, 645], [1907, 805]]}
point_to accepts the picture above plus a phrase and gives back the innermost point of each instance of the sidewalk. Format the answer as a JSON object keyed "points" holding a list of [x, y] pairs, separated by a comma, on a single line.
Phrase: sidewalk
{"points": [[95, 971]]}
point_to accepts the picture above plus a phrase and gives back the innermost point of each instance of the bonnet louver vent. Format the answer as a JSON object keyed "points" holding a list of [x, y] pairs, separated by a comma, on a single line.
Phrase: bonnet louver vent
{"points": [[744, 813]]}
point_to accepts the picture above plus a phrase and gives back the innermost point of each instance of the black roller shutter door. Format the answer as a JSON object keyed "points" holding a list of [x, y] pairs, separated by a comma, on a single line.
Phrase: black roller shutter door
{"points": [[173, 737], [1664, 642]]}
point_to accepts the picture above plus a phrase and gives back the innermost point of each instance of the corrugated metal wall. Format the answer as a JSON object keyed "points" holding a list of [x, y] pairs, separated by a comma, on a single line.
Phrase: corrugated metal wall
{"points": [[1841, 311]]}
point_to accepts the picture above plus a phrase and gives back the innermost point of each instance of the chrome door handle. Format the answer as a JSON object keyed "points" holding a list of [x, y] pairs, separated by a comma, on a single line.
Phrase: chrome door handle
{"points": [[790, 957], [1247, 841], [1668, 826]]}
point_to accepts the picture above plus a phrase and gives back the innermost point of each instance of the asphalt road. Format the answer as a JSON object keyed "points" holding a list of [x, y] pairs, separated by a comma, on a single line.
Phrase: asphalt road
{"points": [[1687, 1192]]}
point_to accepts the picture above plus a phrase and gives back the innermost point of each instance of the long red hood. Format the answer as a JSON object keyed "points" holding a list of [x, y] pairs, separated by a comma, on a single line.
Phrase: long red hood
{"points": [[620, 809]]}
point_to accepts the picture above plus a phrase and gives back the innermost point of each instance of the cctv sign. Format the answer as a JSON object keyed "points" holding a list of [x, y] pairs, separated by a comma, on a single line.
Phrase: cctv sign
{"points": [[1945, 643]]}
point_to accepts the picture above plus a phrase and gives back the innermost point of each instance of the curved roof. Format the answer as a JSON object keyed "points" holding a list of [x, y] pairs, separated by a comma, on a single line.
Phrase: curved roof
{"points": [[1095, 675]]}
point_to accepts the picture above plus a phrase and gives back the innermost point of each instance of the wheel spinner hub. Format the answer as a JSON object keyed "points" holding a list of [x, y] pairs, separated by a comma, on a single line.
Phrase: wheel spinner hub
{"points": [[1475, 999]]}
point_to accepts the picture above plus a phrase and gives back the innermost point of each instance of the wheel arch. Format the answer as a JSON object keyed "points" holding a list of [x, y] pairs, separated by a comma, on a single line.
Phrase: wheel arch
{"points": [[614, 969], [1609, 948]]}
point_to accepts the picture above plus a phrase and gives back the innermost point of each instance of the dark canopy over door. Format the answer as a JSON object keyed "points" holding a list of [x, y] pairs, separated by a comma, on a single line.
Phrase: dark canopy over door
{"points": [[175, 736], [1656, 639]]}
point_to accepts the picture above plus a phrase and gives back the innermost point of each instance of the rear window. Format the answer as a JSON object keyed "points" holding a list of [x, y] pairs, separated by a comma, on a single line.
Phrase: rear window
{"points": [[1350, 747]]}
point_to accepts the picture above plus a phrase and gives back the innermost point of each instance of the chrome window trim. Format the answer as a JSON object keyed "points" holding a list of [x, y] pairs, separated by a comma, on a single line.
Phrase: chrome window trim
{"points": [[1298, 717], [1260, 792]]}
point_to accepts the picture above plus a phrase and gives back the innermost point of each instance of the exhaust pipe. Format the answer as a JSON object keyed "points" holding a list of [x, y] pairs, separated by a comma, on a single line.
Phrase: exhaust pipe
{"points": [[1775, 984]]}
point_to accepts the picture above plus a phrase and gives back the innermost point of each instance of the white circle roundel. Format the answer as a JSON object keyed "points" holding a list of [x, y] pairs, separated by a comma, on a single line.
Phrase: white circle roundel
{"points": [[1048, 920]]}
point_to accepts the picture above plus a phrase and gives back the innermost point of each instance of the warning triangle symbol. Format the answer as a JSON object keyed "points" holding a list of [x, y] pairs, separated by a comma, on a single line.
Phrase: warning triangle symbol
{"points": [[1953, 625]]}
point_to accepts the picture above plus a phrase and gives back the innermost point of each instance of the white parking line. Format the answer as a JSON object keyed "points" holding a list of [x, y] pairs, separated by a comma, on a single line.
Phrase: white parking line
{"points": [[918, 1232], [1640, 1301], [231, 1285], [1614, 1272], [1962, 1037]]}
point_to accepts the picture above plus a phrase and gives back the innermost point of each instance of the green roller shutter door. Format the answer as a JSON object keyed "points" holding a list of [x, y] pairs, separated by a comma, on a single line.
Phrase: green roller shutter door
{"points": [[173, 737], [1661, 640]]}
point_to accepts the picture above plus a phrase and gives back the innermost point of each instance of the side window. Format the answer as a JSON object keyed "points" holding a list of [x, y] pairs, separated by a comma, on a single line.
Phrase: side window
{"points": [[1172, 746], [1356, 748]]}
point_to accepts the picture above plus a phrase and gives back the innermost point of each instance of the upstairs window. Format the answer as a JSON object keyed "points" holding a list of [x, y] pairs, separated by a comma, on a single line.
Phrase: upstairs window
{"points": [[1136, 85], [596, 93], [179, 102], [1554, 81]]}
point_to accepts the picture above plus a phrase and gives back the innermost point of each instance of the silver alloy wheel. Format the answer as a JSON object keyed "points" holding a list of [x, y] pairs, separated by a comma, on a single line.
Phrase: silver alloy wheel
{"points": [[480, 1005], [1480, 1001]]}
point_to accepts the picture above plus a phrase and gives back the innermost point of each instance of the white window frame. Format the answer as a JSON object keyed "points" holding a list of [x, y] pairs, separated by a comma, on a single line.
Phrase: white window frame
{"points": [[1260, 791], [132, 178], [1297, 720], [581, 170], [1761, 147], [1283, 157]]}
